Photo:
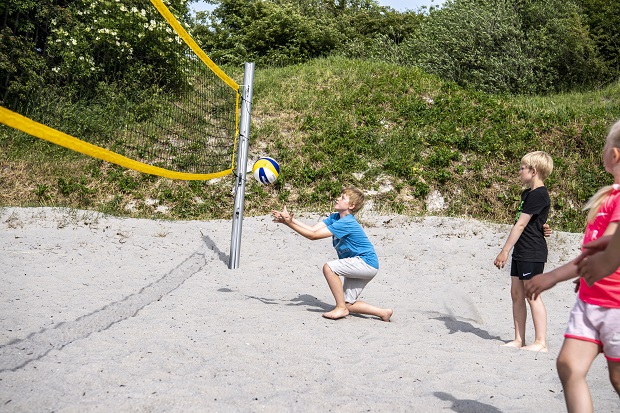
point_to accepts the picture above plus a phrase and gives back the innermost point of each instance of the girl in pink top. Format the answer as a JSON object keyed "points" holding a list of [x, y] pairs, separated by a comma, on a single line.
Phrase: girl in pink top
{"points": [[594, 324]]}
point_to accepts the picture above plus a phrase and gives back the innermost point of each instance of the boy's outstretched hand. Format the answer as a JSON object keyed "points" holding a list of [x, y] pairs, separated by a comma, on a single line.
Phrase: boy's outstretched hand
{"points": [[538, 284], [283, 216]]}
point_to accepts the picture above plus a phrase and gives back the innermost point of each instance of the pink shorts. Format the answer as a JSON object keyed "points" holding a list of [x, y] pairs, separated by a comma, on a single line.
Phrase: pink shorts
{"points": [[596, 324]]}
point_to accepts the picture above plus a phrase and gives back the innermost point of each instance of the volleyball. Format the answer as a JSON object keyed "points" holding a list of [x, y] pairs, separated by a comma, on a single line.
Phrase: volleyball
{"points": [[266, 170]]}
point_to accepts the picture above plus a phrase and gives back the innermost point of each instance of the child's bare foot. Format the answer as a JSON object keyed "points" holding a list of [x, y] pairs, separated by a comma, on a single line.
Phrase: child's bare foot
{"points": [[513, 343], [387, 314], [538, 347], [336, 313]]}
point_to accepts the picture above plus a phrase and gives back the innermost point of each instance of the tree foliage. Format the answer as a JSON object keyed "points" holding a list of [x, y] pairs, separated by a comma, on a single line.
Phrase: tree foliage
{"points": [[515, 46], [497, 46], [603, 20], [84, 42], [279, 32]]}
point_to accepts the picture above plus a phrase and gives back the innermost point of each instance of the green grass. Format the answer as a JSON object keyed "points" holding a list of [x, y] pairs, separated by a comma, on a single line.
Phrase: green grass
{"points": [[393, 131]]}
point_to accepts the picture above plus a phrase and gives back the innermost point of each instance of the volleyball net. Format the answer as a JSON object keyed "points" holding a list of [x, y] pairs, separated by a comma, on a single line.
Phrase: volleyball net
{"points": [[118, 80]]}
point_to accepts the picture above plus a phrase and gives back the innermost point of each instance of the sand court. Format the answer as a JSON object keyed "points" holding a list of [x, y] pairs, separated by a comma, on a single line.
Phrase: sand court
{"points": [[103, 314]]}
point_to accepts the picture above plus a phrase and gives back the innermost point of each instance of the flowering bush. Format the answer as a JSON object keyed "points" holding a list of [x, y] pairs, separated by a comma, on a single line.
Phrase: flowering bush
{"points": [[81, 43], [117, 40]]}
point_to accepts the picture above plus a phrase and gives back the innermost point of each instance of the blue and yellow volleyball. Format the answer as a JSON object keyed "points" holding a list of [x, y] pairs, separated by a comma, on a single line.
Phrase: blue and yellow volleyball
{"points": [[266, 170]]}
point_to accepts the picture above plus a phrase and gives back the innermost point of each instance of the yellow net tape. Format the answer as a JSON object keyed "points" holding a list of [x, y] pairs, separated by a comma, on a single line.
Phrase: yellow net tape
{"points": [[41, 131], [174, 23]]}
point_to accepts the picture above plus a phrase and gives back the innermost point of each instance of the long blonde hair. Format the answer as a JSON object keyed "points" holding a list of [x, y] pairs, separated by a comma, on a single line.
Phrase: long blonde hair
{"points": [[595, 202]]}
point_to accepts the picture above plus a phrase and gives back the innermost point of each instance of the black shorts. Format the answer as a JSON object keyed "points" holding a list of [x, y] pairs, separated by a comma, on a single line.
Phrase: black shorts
{"points": [[526, 270]]}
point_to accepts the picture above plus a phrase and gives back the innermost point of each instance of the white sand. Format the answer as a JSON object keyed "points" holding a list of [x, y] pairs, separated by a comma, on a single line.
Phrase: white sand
{"points": [[105, 314]]}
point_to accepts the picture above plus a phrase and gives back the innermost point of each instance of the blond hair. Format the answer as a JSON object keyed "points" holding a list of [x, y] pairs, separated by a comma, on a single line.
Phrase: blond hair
{"points": [[595, 202], [356, 197], [541, 161]]}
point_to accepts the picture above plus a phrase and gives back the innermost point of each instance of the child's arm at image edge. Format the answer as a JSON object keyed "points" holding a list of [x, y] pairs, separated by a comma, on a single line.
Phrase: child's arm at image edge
{"points": [[543, 282]]}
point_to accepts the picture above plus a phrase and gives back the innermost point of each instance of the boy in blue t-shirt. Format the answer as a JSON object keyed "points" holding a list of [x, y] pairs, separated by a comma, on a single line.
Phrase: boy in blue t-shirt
{"points": [[357, 261]]}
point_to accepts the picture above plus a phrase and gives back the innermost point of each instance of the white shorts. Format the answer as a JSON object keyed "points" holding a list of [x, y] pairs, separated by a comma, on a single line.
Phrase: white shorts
{"points": [[356, 275], [596, 324]]}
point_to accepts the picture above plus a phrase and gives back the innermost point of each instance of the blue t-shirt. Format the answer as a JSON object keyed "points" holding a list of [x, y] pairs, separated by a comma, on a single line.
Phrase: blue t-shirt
{"points": [[350, 240]]}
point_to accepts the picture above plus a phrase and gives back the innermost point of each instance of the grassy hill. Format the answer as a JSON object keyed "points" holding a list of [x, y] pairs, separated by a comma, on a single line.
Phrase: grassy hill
{"points": [[416, 144]]}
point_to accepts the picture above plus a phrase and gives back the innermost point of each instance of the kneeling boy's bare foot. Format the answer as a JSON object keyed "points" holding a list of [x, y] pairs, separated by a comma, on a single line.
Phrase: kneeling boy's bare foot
{"points": [[538, 347], [336, 313], [513, 343], [387, 314]]}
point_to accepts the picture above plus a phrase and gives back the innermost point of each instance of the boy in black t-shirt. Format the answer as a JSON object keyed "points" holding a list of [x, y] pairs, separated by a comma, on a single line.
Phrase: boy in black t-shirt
{"points": [[530, 249]]}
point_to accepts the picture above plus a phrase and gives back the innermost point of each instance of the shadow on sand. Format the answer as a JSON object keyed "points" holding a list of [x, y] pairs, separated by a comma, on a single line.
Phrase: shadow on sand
{"points": [[465, 405], [455, 325]]}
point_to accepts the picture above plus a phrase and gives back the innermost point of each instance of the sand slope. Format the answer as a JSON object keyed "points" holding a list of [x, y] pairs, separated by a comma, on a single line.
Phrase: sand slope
{"points": [[105, 314]]}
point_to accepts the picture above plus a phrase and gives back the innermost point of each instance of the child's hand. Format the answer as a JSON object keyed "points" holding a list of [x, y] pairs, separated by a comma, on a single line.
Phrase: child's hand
{"points": [[282, 216], [591, 264], [547, 230], [277, 215], [593, 247], [538, 284], [594, 267], [501, 259], [286, 216]]}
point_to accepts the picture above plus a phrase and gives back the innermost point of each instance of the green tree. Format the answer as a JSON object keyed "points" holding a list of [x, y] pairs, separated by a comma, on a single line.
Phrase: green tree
{"points": [[514, 46], [23, 38], [266, 32], [293, 31], [117, 40], [557, 40], [79, 42], [603, 20]]}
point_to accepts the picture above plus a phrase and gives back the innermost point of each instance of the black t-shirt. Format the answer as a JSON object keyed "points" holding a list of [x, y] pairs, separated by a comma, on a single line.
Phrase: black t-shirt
{"points": [[532, 246]]}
